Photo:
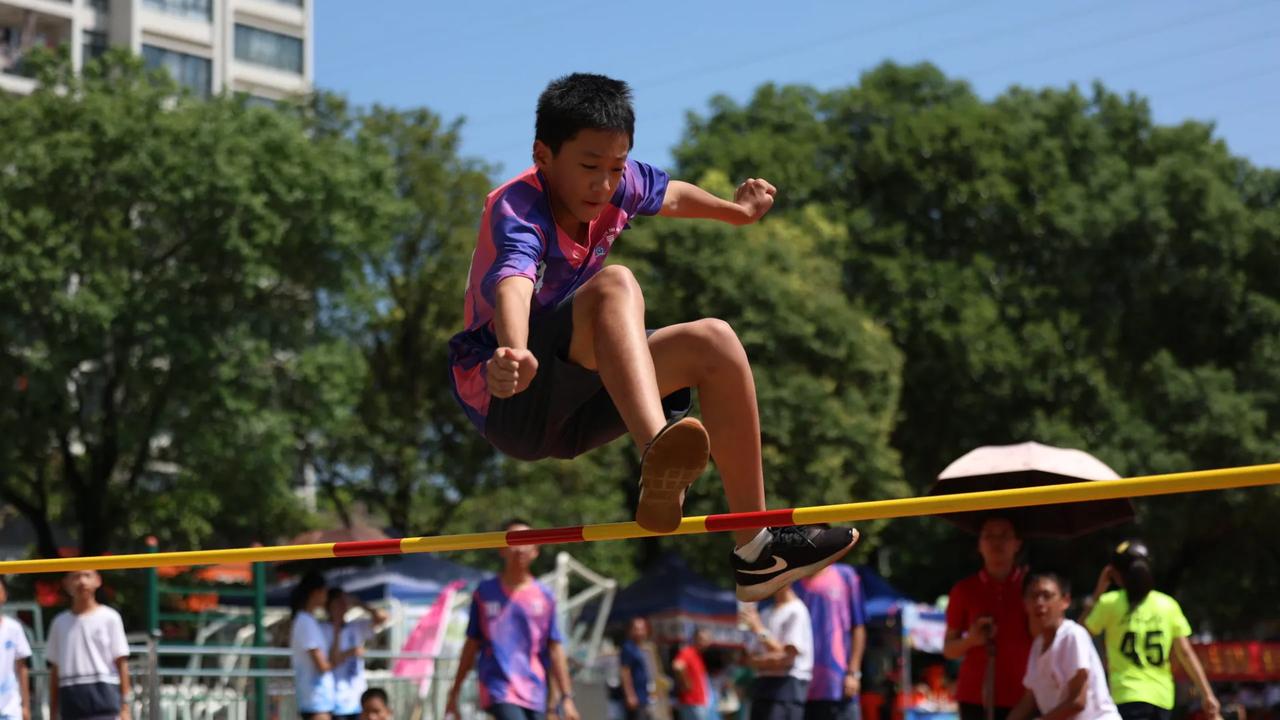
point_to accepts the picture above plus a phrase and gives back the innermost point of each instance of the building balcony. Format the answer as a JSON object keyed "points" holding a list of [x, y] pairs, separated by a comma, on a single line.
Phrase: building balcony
{"points": [[23, 30]]}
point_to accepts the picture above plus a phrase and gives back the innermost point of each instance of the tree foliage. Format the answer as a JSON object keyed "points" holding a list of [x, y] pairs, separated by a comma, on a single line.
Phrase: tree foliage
{"points": [[1053, 266], [164, 264]]}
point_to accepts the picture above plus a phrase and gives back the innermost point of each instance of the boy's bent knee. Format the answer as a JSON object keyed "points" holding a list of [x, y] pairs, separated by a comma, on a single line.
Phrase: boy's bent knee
{"points": [[718, 337], [612, 281]]}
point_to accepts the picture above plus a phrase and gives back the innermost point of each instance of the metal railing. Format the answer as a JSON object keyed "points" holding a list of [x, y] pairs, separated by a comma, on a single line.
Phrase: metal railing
{"points": [[163, 691]]}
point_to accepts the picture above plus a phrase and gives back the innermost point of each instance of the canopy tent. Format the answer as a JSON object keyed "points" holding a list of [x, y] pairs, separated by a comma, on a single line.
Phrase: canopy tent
{"points": [[675, 598], [416, 578]]}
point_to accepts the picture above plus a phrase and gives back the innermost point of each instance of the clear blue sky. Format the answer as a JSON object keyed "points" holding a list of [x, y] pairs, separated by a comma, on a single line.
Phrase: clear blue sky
{"points": [[487, 61]]}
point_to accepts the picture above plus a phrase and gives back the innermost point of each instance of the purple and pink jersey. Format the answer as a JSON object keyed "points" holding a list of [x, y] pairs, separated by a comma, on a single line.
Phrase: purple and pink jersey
{"points": [[519, 237], [514, 632], [835, 601]]}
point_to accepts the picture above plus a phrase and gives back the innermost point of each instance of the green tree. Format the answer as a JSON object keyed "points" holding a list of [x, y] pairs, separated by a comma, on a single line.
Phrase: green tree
{"points": [[406, 449], [1053, 266], [165, 264]]}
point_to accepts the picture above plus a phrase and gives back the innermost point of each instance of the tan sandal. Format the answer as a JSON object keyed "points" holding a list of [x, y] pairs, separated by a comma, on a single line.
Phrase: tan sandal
{"points": [[675, 457]]}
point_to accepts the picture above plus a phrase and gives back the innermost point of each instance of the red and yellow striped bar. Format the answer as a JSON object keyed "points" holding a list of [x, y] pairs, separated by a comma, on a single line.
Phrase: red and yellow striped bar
{"points": [[1173, 483]]}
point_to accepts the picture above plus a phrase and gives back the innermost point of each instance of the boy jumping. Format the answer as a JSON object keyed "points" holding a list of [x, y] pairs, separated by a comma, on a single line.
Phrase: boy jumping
{"points": [[555, 359]]}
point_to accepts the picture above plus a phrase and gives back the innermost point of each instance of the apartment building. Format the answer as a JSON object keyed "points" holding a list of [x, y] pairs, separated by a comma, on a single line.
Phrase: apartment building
{"points": [[261, 48]]}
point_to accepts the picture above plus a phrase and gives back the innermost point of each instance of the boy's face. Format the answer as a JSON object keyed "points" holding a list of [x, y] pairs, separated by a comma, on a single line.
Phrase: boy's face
{"points": [[998, 542], [82, 582], [374, 709], [1046, 602], [638, 630], [585, 173], [521, 556]]}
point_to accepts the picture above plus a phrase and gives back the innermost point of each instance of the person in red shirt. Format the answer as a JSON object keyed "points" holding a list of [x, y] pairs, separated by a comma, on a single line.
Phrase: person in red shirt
{"points": [[693, 695], [986, 616]]}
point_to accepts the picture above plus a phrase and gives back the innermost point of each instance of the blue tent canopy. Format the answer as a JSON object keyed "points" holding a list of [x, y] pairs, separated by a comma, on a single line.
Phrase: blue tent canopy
{"points": [[413, 578], [672, 587]]}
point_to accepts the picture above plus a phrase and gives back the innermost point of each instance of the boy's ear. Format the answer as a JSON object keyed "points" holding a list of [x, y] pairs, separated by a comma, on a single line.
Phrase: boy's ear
{"points": [[542, 154]]}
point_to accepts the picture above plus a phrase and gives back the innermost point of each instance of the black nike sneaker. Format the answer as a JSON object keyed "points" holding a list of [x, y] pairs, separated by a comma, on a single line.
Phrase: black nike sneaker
{"points": [[793, 553]]}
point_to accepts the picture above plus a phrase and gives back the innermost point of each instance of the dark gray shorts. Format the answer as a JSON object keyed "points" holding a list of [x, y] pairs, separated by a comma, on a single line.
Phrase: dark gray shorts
{"points": [[565, 411]]}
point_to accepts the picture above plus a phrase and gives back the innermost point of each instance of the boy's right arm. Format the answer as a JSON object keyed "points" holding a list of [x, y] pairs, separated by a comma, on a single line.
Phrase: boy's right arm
{"points": [[465, 663], [512, 366]]}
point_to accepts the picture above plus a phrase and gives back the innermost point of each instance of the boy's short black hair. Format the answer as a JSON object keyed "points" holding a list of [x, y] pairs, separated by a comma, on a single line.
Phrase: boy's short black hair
{"points": [[372, 694], [514, 521], [1064, 585], [583, 101]]}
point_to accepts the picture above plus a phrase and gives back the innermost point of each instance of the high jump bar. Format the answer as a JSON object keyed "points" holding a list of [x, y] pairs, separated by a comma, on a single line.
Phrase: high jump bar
{"points": [[1168, 484]]}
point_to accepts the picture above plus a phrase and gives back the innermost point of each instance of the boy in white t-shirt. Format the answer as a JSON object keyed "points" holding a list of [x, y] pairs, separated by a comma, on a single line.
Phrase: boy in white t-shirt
{"points": [[15, 693], [88, 655], [784, 660], [1064, 679]]}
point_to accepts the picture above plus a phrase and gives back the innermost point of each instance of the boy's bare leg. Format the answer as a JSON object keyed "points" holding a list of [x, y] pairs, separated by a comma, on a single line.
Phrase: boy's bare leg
{"points": [[707, 355], [609, 337]]}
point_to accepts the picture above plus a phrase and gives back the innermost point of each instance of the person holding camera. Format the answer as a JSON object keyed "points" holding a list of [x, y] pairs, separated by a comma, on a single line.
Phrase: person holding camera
{"points": [[987, 626]]}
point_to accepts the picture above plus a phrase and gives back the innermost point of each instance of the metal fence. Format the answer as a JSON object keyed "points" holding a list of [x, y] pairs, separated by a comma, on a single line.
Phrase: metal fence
{"points": [[201, 682]]}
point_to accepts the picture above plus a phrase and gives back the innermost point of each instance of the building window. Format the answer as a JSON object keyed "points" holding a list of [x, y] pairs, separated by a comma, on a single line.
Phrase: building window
{"points": [[189, 70], [101, 6], [264, 47], [191, 9], [251, 100], [95, 45]]}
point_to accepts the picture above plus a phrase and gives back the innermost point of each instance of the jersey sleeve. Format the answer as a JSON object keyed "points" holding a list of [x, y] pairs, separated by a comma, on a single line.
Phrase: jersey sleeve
{"points": [[21, 648], [53, 645], [518, 249], [1178, 625], [1100, 616], [1076, 647], [553, 629], [119, 643], [475, 631], [313, 634], [642, 190]]}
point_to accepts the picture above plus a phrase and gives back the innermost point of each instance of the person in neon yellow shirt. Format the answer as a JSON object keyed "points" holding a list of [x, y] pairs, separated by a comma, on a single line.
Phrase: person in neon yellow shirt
{"points": [[1144, 628]]}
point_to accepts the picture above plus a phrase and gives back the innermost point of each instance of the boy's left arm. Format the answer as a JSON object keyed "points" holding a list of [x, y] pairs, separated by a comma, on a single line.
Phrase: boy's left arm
{"points": [[751, 201]]}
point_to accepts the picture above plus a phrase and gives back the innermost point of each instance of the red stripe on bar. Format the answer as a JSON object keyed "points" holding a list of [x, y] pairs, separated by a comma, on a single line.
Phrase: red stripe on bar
{"points": [[361, 548], [748, 520], [545, 537]]}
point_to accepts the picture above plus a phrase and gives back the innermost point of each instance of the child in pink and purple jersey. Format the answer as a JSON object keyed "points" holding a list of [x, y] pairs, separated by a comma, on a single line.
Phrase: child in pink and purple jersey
{"points": [[555, 359], [836, 610], [514, 641]]}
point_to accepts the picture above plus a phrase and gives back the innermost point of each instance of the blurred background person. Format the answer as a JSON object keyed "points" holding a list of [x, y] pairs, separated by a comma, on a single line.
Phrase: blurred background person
{"points": [[987, 626], [310, 645], [15, 688], [88, 655], [1143, 628], [784, 659], [1065, 679], [346, 650], [837, 613], [693, 690]]}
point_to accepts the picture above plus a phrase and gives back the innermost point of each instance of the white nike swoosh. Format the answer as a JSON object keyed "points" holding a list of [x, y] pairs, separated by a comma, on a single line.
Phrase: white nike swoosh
{"points": [[778, 564]]}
